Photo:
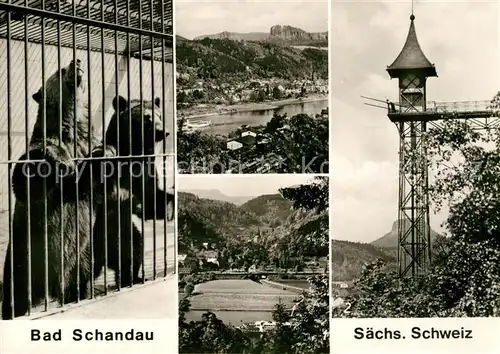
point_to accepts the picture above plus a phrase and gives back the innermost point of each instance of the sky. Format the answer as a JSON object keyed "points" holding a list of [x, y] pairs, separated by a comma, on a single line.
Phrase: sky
{"points": [[241, 185], [200, 17], [460, 38]]}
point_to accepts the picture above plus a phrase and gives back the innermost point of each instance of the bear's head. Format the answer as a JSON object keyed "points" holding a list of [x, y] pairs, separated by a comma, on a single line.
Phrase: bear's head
{"points": [[131, 121], [71, 82]]}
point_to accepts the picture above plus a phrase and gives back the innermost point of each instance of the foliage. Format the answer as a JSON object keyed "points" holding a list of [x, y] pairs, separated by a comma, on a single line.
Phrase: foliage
{"points": [[464, 279], [309, 196], [303, 145], [211, 335]]}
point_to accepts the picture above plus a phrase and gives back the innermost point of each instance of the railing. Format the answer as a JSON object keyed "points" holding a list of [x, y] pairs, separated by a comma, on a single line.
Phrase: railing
{"points": [[459, 106], [74, 234]]}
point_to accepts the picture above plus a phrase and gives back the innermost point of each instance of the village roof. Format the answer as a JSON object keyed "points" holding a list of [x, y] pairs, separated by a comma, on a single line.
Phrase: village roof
{"points": [[411, 56], [246, 140]]}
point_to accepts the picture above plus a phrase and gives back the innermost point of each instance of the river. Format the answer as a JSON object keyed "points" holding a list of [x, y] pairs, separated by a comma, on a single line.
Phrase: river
{"points": [[225, 123]]}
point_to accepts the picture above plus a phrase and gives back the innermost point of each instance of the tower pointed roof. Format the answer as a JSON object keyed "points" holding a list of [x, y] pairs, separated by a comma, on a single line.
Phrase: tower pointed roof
{"points": [[411, 56]]}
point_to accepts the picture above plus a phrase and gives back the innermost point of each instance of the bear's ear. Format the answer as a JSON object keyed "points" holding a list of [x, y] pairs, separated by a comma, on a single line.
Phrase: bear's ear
{"points": [[37, 96], [157, 101], [120, 102]]}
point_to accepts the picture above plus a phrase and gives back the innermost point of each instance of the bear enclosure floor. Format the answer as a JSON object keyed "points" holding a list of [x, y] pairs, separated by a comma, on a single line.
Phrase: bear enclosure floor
{"points": [[157, 300]]}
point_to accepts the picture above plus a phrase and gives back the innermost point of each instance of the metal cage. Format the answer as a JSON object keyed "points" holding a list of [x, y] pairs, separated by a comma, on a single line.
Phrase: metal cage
{"points": [[126, 48]]}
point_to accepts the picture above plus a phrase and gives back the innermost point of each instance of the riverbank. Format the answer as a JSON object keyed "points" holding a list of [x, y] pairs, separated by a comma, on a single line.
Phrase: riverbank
{"points": [[214, 110]]}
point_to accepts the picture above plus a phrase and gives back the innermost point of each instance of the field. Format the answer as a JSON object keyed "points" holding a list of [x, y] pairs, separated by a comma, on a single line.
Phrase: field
{"points": [[237, 286], [304, 284], [237, 300], [233, 317]]}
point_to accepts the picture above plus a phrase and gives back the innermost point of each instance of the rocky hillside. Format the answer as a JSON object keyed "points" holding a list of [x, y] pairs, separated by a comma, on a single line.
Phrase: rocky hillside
{"points": [[297, 35], [390, 239]]}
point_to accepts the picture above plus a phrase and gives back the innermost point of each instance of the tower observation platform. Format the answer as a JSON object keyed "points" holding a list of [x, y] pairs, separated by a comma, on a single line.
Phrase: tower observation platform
{"points": [[413, 115]]}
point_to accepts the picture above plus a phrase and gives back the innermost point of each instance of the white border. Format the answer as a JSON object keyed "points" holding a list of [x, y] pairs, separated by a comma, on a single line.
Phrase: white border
{"points": [[485, 331], [330, 155], [176, 179]]}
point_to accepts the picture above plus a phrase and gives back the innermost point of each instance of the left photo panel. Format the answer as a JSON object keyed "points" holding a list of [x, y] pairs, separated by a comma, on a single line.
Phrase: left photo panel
{"points": [[87, 168]]}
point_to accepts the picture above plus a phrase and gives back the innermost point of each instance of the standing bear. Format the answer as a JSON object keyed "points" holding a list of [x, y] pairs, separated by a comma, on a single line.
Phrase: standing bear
{"points": [[124, 240], [63, 220]]}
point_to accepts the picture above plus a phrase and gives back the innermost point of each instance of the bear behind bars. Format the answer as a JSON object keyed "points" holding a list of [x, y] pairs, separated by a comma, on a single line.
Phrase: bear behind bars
{"points": [[64, 218]]}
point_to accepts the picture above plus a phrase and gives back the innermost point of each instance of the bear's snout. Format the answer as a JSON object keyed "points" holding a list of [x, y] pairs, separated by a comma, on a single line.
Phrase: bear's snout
{"points": [[160, 135], [77, 65]]}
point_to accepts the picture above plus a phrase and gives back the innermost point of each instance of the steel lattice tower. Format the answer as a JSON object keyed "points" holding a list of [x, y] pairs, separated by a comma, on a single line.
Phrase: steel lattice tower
{"points": [[413, 115]]}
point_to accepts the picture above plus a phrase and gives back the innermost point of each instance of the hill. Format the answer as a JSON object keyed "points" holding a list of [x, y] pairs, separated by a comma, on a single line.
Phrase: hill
{"points": [[284, 34], [225, 219], [218, 195], [348, 258], [272, 209], [390, 239], [222, 58], [267, 221]]}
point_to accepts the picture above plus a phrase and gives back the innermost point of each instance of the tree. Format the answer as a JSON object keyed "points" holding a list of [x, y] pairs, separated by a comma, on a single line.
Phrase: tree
{"points": [[314, 195], [276, 122], [276, 92], [181, 97], [188, 289], [304, 145], [211, 335], [311, 320]]}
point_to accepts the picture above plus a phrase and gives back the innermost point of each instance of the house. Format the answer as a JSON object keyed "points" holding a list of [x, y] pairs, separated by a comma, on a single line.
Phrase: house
{"points": [[234, 145], [211, 257], [246, 140], [213, 260], [248, 133]]}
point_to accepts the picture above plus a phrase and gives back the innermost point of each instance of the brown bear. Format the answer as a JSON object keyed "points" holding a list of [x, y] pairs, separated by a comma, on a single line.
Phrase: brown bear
{"points": [[125, 256], [151, 125], [67, 219]]}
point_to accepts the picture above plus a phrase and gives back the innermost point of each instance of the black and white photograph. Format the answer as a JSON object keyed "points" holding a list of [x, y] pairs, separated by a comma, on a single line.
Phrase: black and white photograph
{"points": [[87, 168], [253, 264], [415, 143], [252, 86]]}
